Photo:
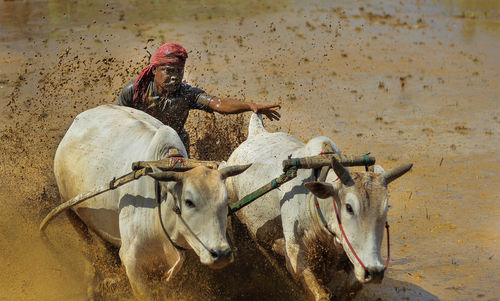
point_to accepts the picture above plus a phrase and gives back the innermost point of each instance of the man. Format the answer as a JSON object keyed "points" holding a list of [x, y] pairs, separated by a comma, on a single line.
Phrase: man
{"points": [[160, 92]]}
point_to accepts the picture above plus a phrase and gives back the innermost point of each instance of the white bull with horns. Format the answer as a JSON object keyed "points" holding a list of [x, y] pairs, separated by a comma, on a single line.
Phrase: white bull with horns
{"points": [[151, 221], [305, 229]]}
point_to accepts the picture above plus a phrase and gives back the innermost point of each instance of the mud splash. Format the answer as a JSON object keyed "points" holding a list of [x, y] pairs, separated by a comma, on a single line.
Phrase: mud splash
{"points": [[409, 82]]}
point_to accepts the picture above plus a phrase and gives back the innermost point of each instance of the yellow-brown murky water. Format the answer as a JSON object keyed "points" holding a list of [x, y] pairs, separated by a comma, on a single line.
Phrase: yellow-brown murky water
{"points": [[408, 81]]}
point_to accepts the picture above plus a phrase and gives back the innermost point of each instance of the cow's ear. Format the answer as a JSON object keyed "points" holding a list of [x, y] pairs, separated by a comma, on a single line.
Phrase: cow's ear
{"points": [[321, 189]]}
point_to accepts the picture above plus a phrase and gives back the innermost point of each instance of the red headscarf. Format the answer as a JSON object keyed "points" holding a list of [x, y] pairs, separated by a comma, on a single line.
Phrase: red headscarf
{"points": [[169, 53]]}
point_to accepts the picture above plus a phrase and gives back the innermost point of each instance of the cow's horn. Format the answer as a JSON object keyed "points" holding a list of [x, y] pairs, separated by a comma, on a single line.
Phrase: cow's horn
{"points": [[342, 172], [167, 176], [233, 170], [395, 173]]}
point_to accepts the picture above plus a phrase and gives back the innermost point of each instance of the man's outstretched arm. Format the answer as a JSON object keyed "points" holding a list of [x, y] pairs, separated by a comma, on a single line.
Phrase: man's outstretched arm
{"points": [[233, 106]]}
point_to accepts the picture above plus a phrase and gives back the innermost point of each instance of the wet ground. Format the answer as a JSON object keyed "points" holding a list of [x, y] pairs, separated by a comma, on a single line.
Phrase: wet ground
{"points": [[407, 81]]}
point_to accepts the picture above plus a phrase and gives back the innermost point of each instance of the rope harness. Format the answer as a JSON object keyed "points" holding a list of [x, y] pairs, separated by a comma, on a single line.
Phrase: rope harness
{"points": [[158, 202], [322, 178], [325, 224], [290, 174], [177, 211], [290, 167]]}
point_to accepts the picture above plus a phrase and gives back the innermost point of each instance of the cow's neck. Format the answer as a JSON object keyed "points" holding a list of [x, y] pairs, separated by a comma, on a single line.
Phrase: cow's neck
{"points": [[328, 212], [323, 252], [171, 223]]}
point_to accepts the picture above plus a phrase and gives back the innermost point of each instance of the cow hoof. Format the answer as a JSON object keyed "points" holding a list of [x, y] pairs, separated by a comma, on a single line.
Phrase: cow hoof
{"points": [[91, 294], [323, 296], [109, 282]]}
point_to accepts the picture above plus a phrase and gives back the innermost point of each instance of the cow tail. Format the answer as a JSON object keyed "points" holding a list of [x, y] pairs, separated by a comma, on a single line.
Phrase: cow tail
{"points": [[256, 126]]}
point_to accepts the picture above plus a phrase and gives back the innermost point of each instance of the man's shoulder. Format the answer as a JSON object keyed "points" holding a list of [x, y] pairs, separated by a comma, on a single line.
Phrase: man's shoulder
{"points": [[127, 94], [129, 86], [187, 87], [187, 90]]}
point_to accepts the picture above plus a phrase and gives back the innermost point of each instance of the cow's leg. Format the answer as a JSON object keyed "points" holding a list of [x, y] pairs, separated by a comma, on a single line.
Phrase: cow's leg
{"points": [[91, 276], [297, 266], [279, 246], [137, 271], [174, 262], [129, 257], [352, 286]]}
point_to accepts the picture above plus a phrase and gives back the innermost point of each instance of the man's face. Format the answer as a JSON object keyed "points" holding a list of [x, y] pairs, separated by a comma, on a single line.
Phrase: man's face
{"points": [[168, 77]]}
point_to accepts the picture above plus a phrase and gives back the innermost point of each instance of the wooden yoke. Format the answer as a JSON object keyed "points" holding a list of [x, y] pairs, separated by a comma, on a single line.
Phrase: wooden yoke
{"points": [[327, 148], [326, 159], [175, 162]]}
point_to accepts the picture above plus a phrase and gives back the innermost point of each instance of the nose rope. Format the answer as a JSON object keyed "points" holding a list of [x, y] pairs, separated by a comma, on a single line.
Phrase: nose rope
{"points": [[325, 224], [158, 201], [177, 211]]}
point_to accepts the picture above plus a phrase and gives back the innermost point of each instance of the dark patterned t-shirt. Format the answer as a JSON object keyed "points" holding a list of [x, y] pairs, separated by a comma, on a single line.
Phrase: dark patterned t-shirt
{"points": [[173, 109]]}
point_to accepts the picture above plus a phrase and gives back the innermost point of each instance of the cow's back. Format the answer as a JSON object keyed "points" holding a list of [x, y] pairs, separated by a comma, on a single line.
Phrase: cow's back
{"points": [[266, 151], [101, 144]]}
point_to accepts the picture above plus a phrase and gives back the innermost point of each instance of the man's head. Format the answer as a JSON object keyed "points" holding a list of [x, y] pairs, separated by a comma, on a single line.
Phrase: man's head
{"points": [[168, 77], [167, 68]]}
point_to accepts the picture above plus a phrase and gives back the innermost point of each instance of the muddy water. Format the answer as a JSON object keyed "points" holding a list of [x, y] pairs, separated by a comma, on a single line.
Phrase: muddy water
{"points": [[412, 81]]}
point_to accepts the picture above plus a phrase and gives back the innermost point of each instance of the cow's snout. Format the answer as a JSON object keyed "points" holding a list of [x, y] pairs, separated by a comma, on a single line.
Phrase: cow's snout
{"points": [[219, 258], [374, 275], [222, 255]]}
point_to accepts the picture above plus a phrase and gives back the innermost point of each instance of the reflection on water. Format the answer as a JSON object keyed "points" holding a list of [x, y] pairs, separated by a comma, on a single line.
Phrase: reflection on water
{"points": [[479, 13], [23, 19], [20, 19], [480, 9]]}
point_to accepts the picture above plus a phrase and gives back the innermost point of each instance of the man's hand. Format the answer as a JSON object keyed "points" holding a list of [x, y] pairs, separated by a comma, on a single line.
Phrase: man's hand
{"points": [[233, 106], [266, 110]]}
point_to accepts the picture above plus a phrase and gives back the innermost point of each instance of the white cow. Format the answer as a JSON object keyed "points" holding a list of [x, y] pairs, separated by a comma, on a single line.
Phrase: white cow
{"points": [[102, 143], [287, 222]]}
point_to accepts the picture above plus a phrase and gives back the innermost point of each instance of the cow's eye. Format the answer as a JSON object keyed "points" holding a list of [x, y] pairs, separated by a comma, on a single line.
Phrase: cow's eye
{"points": [[189, 203], [348, 207]]}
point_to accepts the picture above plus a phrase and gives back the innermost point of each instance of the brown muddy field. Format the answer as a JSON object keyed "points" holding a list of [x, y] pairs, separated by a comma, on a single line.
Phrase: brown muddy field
{"points": [[408, 81]]}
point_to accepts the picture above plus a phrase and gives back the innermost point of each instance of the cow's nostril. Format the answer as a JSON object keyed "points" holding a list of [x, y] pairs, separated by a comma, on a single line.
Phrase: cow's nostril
{"points": [[221, 254], [227, 253], [368, 275], [214, 253], [374, 275]]}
